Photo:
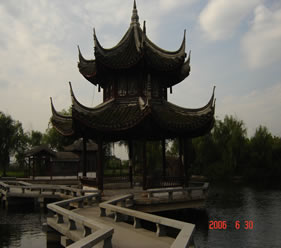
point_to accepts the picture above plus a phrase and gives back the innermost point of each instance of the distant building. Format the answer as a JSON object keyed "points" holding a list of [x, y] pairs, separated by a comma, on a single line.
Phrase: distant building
{"points": [[43, 162]]}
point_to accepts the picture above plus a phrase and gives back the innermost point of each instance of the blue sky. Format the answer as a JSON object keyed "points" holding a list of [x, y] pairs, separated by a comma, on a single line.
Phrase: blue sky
{"points": [[235, 45]]}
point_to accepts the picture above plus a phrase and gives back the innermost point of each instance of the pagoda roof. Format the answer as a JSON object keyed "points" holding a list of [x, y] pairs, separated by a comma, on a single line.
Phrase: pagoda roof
{"points": [[138, 118], [133, 49]]}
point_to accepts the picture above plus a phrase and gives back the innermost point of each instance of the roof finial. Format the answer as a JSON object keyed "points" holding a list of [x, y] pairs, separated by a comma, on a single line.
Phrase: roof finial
{"points": [[135, 17]]}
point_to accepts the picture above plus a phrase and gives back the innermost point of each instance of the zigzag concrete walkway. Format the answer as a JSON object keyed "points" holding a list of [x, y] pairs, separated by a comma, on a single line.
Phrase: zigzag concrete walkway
{"points": [[125, 236]]}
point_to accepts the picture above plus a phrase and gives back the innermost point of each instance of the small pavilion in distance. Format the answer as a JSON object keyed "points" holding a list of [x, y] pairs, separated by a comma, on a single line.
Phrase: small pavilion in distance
{"points": [[135, 76]]}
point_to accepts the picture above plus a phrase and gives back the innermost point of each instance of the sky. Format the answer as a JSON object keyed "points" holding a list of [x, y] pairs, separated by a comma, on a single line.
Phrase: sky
{"points": [[235, 45]]}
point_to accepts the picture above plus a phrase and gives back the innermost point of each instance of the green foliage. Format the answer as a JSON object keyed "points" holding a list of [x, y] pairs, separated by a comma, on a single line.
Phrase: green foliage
{"points": [[35, 138], [12, 140], [55, 140]]}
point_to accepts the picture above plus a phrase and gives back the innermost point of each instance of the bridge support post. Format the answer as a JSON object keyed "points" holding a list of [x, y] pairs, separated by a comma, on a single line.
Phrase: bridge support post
{"points": [[107, 242], [41, 202], [53, 237], [65, 241], [6, 202]]}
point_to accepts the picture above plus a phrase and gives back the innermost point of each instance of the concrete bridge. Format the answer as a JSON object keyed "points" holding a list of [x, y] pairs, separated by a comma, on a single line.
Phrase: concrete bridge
{"points": [[20, 190], [115, 218]]}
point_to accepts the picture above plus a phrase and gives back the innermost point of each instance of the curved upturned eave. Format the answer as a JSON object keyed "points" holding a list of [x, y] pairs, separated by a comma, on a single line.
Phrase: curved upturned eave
{"points": [[82, 108], [87, 68], [104, 51], [210, 106], [62, 123], [165, 53]]}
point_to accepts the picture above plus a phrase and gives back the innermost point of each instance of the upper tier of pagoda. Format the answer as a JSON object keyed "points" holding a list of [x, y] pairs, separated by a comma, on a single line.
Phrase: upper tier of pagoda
{"points": [[135, 75], [135, 51]]}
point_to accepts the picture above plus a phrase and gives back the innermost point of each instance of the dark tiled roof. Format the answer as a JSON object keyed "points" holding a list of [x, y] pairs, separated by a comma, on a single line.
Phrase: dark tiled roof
{"points": [[78, 146], [117, 116], [136, 48], [36, 150]]}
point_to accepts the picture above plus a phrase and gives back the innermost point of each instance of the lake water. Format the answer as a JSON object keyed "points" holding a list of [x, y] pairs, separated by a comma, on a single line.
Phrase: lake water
{"points": [[22, 226], [231, 204]]}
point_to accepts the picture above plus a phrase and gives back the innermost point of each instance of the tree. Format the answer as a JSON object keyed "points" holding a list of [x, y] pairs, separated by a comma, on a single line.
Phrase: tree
{"points": [[35, 138], [56, 140], [12, 140], [230, 138]]}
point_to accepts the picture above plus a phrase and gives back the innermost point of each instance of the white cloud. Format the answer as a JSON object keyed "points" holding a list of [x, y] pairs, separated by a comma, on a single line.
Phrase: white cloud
{"points": [[220, 18], [261, 44], [260, 107]]}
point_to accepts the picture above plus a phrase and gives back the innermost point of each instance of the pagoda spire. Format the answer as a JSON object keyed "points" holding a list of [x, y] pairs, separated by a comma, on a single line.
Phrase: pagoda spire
{"points": [[135, 17]]}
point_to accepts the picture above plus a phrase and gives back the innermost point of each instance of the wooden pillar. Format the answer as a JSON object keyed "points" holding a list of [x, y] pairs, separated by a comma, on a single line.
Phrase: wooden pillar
{"points": [[33, 167], [131, 162], [164, 157], [29, 167], [84, 157], [181, 156], [144, 173], [100, 166], [186, 160], [50, 163]]}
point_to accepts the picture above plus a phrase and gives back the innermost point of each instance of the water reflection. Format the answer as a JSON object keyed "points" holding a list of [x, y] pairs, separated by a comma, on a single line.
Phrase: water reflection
{"points": [[21, 226]]}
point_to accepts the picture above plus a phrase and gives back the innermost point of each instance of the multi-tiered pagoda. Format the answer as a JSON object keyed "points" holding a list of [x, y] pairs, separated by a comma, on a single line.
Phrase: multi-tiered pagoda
{"points": [[135, 76]]}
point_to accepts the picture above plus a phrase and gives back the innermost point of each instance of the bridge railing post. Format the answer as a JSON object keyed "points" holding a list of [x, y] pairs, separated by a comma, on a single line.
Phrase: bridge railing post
{"points": [[161, 230], [87, 231], [60, 218], [71, 225], [118, 217], [137, 222], [102, 212]]}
